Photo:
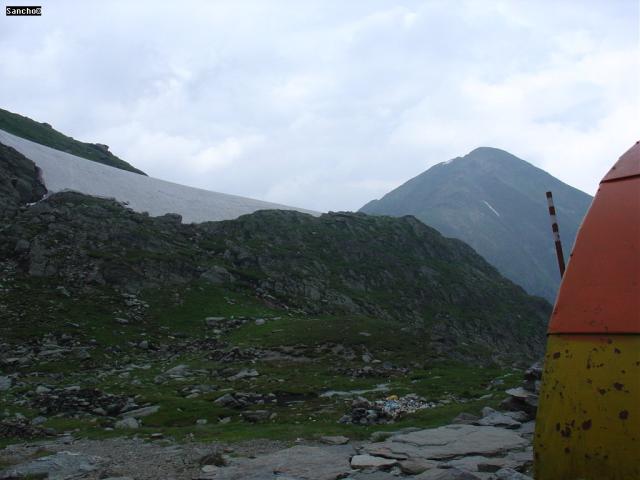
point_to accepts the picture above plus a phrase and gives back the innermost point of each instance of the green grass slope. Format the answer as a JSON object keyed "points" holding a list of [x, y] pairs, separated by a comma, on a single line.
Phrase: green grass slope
{"points": [[44, 134]]}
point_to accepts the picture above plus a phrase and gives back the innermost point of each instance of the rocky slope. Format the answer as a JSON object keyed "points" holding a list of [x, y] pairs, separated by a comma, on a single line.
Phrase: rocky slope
{"points": [[44, 134], [496, 203], [398, 269], [278, 325]]}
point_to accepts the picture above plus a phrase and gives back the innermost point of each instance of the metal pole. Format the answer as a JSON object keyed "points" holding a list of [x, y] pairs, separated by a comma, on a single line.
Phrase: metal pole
{"points": [[556, 233]]}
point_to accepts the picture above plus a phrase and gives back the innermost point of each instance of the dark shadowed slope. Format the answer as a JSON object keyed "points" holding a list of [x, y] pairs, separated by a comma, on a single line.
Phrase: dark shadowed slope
{"points": [[496, 203]]}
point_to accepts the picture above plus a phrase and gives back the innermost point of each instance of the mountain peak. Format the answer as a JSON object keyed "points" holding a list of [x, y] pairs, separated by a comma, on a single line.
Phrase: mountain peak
{"points": [[496, 203]]}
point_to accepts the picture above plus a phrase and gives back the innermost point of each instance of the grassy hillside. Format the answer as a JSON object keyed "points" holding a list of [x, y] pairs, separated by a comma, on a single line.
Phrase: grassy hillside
{"points": [[44, 134], [267, 326]]}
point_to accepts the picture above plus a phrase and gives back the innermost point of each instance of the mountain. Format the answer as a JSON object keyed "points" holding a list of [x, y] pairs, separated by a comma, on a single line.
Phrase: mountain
{"points": [[496, 203], [62, 171], [270, 325], [335, 264], [44, 134]]}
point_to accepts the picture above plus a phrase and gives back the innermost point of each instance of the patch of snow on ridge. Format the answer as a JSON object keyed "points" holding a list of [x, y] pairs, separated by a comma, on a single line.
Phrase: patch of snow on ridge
{"points": [[491, 208], [62, 171]]}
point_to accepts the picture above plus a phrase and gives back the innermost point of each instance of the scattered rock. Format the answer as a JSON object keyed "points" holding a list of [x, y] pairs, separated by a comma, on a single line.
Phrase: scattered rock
{"points": [[492, 418], [62, 465], [141, 412], [415, 466], [510, 474], [465, 419], [255, 416], [362, 462], [335, 440], [446, 474], [245, 373], [127, 423], [5, 383]]}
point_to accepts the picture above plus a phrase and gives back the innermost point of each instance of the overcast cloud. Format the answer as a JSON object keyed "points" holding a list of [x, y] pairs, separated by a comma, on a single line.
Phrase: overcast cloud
{"points": [[329, 104]]}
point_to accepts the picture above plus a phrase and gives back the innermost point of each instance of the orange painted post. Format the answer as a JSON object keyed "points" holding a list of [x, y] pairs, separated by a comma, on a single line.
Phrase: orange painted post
{"points": [[588, 424]]}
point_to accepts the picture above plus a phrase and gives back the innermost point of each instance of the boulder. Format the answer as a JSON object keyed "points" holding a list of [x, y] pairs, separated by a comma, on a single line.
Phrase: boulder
{"points": [[62, 465], [335, 440], [300, 463], [451, 441], [127, 423], [446, 474], [416, 466], [365, 462], [141, 412], [5, 383], [255, 416], [245, 373]]}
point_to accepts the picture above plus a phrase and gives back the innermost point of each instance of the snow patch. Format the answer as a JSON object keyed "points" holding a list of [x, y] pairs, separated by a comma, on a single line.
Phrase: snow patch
{"points": [[62, 171], [491, 208]]}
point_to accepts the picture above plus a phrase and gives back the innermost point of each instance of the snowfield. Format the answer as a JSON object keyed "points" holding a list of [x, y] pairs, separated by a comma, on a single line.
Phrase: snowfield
{"points": [[63, 171]]}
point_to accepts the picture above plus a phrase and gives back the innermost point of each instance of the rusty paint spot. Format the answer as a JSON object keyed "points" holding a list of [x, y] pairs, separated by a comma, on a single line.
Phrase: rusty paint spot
{"points": [[624, 414], [586, 425], [566, 432], [616, 350], [618, 386], [589, 381], [567, 450], [602, 391], [556, 355], [557, 427]]}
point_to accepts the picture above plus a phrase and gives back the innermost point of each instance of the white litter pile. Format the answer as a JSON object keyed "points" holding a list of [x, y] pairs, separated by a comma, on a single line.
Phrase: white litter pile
{"points": [[62, 171]]}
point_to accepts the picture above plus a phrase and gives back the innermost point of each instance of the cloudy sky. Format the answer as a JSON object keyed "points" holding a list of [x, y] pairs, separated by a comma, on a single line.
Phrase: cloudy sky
{"points": [[328, 104]]}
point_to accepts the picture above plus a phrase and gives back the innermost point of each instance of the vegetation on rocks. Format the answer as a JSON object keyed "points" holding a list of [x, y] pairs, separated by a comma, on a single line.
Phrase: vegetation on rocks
{"points": [[115, 323], [45, 134]]}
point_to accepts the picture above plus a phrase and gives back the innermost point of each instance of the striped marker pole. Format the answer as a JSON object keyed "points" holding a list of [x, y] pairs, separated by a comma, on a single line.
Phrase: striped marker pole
{"points": [[556, 233]]}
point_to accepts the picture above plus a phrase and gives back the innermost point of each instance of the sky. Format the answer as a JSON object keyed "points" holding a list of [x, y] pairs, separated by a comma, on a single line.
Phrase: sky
{"points": [[327, 104]]}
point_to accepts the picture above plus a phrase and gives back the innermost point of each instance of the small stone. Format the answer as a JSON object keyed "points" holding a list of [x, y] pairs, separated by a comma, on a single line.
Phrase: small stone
{"points": [[209, 469], [465, 418], [260, 321], [127, 423], [213, 321], [5, 383], [334, 440], [255, 416], [41, 389], [380, 436], [39, 420], [141, 412], [201, 421], [245, 373]]}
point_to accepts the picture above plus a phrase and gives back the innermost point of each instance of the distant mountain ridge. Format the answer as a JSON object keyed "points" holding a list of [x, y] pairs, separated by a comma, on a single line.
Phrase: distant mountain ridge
{"points": [[496, 203], [45, 134]]}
